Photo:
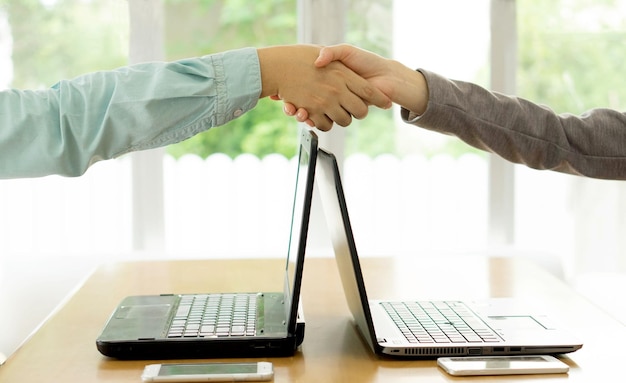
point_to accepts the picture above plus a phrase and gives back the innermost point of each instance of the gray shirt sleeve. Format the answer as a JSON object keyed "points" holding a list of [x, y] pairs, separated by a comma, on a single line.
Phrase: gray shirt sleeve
{"points": [[592, 144]]}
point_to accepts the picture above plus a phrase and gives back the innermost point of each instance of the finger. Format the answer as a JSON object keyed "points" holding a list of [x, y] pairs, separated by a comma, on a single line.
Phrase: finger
{"points": [[344, 121], [361, 87], [289, 109], [275, 97], [330, 54], [354, 106], [368, 92], [339, 115], [374, 96], [302, 115], [322, 122], [324, 58]]}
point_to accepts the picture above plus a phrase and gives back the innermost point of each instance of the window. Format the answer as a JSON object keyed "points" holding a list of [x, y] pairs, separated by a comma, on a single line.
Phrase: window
{"points": [[570, 60], [51, 228], [228, 191], [386, 162], [411, 190], [42, 42], [214, 26]]}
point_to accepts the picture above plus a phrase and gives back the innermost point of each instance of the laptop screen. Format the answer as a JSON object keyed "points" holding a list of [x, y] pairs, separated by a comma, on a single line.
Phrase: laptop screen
{"points": [[305, 175]]}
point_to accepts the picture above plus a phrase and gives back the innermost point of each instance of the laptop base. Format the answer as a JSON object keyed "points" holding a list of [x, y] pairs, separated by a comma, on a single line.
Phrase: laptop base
{"points": [[190, 349]]}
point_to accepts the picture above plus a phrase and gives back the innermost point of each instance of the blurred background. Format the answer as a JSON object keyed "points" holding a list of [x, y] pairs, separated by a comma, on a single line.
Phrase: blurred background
{"points": [[227, 192]]}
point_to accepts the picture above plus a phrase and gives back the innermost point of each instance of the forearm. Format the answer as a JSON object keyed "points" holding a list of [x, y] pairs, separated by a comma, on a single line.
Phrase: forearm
{"points": [[593, 144], [64, 129]]}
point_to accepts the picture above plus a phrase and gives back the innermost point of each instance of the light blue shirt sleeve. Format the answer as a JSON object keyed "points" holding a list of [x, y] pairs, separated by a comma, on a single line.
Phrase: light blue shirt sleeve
{"points": [[75, 123]]}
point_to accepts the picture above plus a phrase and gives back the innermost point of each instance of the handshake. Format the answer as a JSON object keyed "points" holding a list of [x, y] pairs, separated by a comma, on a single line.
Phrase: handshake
{"points": [[322, 86]]}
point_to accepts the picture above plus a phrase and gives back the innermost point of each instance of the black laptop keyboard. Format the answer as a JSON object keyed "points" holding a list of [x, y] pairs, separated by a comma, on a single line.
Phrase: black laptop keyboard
{"points": [[215, 315], [439, 322]]}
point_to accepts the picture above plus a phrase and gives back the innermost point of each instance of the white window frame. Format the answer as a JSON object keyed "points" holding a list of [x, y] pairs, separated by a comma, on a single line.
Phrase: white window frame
{"points": [[503, 58], [146, 18]]}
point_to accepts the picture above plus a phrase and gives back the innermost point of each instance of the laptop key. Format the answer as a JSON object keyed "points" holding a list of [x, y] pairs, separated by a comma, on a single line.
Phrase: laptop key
{"points": [[183, 311], [238, 331]]}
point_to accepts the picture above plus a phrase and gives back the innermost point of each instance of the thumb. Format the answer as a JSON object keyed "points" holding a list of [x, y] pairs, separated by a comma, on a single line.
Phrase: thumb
{"points": [[328, 55]]}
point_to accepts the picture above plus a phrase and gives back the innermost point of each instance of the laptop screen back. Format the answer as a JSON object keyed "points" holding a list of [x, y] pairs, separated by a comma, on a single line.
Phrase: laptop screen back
{"points": [[340, 230]]}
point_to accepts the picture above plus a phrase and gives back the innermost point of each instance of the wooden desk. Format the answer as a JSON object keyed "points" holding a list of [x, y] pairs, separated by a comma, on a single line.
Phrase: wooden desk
{"points": [[63, 350]]}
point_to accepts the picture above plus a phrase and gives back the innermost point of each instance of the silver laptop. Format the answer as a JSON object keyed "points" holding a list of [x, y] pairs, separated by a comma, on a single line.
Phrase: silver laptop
{"points": [[253, 324], [422, 328]]}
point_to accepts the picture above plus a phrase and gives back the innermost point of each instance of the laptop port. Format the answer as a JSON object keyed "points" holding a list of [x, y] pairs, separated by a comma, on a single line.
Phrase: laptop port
{"points": [[515, 349], [474, 351], [498, 349]]}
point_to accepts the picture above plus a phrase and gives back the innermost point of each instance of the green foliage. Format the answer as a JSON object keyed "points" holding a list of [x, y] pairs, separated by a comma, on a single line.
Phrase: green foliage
{"points": [[569, 54], [260, 132], [65, 39], [217, 25], [200, 27]]}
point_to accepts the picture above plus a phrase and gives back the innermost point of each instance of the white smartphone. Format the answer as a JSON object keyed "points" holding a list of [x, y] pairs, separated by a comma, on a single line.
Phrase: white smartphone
{"points": [[208, 372], [502, 365]]}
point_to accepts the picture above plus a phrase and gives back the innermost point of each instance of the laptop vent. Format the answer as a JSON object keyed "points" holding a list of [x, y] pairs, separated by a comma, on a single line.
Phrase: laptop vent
{"points": [[435, 351]]}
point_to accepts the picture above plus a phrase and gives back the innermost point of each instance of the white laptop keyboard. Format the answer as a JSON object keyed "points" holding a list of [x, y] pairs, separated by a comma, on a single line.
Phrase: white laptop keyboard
{"points": [[439, 322]]}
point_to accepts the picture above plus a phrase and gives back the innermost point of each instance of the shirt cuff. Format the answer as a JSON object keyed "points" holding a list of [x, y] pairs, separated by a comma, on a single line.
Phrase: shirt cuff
{"points": [[408, 116], [241, 73]]}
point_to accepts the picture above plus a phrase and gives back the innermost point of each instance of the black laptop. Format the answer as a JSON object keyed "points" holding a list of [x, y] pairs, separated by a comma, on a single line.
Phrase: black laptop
{"points": [[216, 325], [423, 328]]}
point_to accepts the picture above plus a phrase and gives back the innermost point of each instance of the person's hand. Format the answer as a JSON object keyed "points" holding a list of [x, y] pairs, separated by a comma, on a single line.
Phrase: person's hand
{"points": [[332, 93], [401, 84], [290, 110], [372, 67]]}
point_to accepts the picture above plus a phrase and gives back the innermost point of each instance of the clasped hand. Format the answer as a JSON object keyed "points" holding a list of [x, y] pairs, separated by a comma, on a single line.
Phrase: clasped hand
{"points": [[346, 81]]}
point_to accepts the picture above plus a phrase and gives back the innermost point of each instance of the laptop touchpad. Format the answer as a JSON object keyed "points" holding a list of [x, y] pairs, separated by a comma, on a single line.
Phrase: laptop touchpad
{"points": [[515, 323], [143, 311]]}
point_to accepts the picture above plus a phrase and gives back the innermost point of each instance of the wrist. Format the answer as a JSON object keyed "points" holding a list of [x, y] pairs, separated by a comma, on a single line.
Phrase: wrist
{"points": [[268, 65], [412, 90], [281, 65]]}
